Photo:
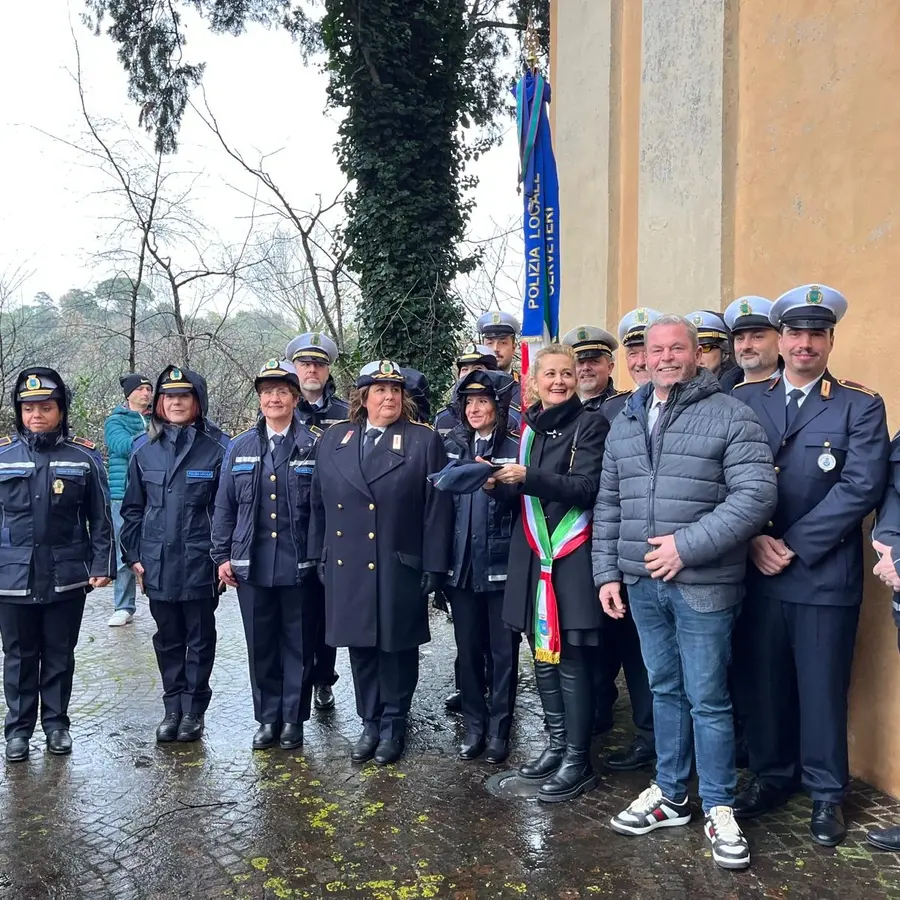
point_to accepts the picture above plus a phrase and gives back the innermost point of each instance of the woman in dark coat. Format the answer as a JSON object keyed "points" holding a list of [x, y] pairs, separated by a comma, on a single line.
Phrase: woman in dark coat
{"points": [[556, 478], [383, 535], [480, 555], [166, 537]]}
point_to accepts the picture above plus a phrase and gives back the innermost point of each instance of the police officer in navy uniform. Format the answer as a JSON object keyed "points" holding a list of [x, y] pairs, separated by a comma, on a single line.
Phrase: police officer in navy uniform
{"points": [[166, 535], [886, 543], [56, 544], [715, 342], [499, 331], [755, 341], [631, 330], [481, 536], [620, 647], [383, 535], [804, 589], [471, 357], [313, 354], [259, 544]]}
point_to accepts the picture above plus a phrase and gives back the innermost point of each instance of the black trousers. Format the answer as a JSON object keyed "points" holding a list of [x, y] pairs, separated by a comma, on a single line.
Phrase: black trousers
{"points": [[39, 662], [480, 632], [797, 704], [384, 684], [325, 657], [280, 628], [185, 645], [620, 648]]}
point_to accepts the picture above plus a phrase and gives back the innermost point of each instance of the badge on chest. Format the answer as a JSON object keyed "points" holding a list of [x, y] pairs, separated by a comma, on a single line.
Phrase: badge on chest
{"points": [[827, 460], [58, 486]]}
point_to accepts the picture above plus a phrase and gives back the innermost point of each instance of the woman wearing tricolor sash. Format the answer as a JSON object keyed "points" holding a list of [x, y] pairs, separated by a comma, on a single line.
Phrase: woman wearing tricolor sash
{"points": [[549, 589]]}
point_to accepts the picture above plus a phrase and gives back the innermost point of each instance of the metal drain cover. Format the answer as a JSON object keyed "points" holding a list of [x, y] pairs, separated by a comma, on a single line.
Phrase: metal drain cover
{"points": [[508, 786]]}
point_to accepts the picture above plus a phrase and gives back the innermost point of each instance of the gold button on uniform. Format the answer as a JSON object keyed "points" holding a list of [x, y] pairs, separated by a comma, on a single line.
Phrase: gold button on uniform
{"points": [[340, 562], [273, 515], [272, 497], [339, 533], [769, 525], [784, 443], [340, 505], [371, 565], [371, 506], [777, 469], [272, 478], [371, 535], [827, 444], [274, 534]]}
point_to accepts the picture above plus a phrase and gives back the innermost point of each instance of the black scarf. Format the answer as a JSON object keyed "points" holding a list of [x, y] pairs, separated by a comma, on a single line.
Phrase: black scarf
{"points": [[555, 417]]}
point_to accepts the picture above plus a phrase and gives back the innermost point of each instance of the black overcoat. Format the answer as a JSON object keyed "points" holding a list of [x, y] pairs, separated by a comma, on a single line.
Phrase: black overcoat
{"points": [[561, 479], [378, 525]]}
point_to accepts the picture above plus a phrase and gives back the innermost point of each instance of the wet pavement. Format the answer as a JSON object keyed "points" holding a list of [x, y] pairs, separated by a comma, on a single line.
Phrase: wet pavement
{"points": [[123, 818]]}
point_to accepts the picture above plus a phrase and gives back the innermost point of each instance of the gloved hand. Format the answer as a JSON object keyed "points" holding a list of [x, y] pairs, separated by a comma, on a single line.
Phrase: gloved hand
{"points": [[431, 582], [439, 601], [320, 572]]}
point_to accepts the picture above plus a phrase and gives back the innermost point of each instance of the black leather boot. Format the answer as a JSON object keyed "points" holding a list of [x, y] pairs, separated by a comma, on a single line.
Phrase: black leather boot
{"points": [[576, 772], [547, 677]]}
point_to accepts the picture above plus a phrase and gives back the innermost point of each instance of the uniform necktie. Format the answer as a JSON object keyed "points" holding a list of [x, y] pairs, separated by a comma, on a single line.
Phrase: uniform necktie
{"points": [[372, 435], [481, 446], [793, 406], [277, 440]]}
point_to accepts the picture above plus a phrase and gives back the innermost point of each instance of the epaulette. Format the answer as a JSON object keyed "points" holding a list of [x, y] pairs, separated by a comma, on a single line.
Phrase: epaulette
{"points": [[84, 442], [6, 440], [517, 376], [514, 434], [745, 383], [619, 394], [518, 409], [423, 424], [338, 422], [856, 387], [318, 432]]}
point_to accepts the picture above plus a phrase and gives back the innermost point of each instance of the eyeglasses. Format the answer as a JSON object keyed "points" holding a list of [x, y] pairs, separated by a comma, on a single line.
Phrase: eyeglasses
{"points": [[708, 348]]}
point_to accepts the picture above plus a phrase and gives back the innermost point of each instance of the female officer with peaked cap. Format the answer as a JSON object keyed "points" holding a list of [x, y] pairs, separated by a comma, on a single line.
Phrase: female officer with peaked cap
{"points": [[55, 545], [165, 538], [383, 535], [259, 544]]}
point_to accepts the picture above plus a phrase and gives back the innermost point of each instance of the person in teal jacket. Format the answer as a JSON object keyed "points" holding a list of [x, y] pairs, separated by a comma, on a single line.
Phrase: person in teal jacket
{"points": [[122, 426]]}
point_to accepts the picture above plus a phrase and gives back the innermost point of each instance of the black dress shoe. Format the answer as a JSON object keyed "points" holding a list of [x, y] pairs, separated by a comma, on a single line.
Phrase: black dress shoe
{"points": [[827, 823], [574, 776], [885, 838], [544, 766], [640, 753], [17, 749], [497, 751], [453, 703], [167, 730], [191, 728], [364, 749], [323, 697], [291, 736], [758, 800], [59, 742], [472, 747], [388, 751], [265, 736]]}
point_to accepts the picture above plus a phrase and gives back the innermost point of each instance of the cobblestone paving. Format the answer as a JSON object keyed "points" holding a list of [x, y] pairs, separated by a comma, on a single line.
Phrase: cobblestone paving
{"points": [[123, 818]]}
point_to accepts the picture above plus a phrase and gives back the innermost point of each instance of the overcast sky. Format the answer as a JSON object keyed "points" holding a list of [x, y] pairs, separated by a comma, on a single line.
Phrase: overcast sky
{"points": [[266, 100]]}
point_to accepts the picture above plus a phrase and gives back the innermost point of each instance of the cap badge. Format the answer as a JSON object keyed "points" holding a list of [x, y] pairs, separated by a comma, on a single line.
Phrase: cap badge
{"points": [[641, 317], [814, 296], [386, 368], [697, 320], [175, 374], [745, 308], [271, 364], [582, 334], [316, 339], [469, 349], [496, 318], [32, 382]]}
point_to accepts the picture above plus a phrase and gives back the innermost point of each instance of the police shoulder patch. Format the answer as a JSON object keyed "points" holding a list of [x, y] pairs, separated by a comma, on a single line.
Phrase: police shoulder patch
{"points": [[857, 387], [84, 442], [423, 424]]}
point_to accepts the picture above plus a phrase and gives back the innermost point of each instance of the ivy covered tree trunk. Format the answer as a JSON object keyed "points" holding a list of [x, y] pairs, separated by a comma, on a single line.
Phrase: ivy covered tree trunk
{"points": [[396, 67]]}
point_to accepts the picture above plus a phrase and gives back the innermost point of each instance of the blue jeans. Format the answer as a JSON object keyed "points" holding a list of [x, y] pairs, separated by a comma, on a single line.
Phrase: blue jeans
{"points": [[687, 654], [124, 590]]}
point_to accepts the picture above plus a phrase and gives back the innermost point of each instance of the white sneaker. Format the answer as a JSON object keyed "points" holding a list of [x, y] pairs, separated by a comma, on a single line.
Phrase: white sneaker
{"points": [[651, 811], [120, 617], [730, 849]]}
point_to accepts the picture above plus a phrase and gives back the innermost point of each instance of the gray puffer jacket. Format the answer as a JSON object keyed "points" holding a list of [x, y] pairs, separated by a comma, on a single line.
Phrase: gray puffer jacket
{"points": [[712, 485]]}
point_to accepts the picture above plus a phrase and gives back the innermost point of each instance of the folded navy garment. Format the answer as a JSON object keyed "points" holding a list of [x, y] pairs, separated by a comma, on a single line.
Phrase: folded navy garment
{"points": [[461, 476]]}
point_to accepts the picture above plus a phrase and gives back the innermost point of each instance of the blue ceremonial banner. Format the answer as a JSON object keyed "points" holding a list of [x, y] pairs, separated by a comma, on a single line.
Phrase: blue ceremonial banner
{"points": [[540, 319]]}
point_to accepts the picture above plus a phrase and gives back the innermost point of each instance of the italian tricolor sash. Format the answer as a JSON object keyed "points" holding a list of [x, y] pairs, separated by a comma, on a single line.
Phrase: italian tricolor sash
{"points": [[571, 533]]}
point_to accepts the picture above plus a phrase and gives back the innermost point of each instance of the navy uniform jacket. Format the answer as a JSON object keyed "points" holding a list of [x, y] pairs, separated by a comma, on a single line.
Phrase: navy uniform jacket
{"points": [[887, 522], [378, 525], [245, 489], [56, 529], [820, 513], [610, 401], [332, 410], [483, 525]]}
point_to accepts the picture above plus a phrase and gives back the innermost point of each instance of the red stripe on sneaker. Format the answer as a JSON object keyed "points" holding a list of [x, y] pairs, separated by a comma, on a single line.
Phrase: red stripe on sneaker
{"points": [[659, 814]]}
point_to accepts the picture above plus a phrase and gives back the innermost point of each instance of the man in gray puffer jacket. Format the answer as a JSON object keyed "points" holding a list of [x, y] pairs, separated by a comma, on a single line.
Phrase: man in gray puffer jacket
{"points": [[688, 479]]}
